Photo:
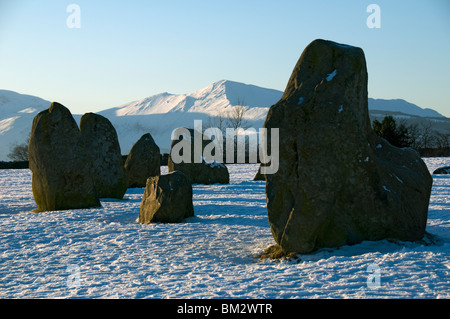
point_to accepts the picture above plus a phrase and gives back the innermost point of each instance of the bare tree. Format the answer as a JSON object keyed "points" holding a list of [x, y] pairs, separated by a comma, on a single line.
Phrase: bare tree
{"points": [[218, 121], [19, 152], [236, 120], [414, 135], [442, 139], [426, 135], [236, 117]]}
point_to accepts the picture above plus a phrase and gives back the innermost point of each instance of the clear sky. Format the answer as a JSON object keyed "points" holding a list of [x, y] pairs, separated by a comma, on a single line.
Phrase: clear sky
{"points": [[128, 50]]}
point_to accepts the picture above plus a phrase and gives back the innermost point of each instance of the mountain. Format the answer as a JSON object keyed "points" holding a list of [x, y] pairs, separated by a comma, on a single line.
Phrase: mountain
{"points": [[160, 114], [17, 112], [217, 98], [401, 106]]}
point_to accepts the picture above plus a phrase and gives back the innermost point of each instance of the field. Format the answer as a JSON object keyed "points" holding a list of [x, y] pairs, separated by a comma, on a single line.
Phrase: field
{"points": [[105, 253]]}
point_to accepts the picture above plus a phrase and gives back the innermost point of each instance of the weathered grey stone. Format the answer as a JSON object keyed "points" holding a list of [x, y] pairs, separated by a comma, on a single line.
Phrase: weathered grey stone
{"points": [[102, 145], [62, 176], [167, 199], [338, 182], [143, 161], [200, 173]]}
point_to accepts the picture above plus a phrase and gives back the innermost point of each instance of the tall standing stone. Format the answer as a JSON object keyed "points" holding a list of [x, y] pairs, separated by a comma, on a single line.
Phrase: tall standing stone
{"points": [[143, 161], [338, 182], [102, 147], [62, 176]]}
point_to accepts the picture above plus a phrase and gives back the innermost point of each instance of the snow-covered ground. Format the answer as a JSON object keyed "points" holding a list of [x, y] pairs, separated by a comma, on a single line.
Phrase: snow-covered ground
{"points": [[105, 253]]}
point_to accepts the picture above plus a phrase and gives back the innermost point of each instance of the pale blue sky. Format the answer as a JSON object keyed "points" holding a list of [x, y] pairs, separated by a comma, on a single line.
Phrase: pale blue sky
{"points": [[128, 50]]}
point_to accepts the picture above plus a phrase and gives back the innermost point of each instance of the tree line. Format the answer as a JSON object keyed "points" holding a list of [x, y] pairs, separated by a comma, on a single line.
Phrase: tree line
{"points": [[421, 137]]}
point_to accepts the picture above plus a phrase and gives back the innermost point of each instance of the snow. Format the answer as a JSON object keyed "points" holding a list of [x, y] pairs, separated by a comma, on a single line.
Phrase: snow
{"points": [[105, 253], [219, 97], [28, 110], [16, 118], [331, 75], [7, 124], [212, 164], [398, 178]]}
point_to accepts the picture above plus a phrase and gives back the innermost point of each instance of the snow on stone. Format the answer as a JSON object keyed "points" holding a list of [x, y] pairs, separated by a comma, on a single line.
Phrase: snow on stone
{"points": [[398, 178], [212, 163], [331, 75]]}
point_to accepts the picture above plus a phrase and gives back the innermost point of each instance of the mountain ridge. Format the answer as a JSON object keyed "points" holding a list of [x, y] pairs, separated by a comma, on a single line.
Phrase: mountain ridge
{"points": [[159, 114], [402, 106], [218, 97], [240, 93]]}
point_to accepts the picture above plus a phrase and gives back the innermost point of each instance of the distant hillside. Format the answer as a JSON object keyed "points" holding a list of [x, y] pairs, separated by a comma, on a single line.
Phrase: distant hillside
{"points": [[16, 117], [401, 106], [160, 114]]}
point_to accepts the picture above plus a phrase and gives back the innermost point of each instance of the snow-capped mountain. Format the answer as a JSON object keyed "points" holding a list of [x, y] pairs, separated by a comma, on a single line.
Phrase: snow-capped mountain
{"points": [[16, 117], [160, 114], [217, 98]]}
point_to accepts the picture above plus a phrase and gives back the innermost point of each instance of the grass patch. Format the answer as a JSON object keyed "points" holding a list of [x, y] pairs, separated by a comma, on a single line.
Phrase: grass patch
{"points": [[275, 252]]}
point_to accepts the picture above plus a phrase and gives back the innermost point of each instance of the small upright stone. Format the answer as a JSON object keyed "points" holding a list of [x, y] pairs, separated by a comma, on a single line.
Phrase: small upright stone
{"points": [[143, 161], [62, 175], [102, 145], [203, 172], [167, 199]]}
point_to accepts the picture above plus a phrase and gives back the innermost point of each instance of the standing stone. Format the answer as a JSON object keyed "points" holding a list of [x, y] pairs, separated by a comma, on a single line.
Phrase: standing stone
{"points": [[167, 199], [103, 149], [339, 183], [143, 161], [206, 172], [62, 176]]}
